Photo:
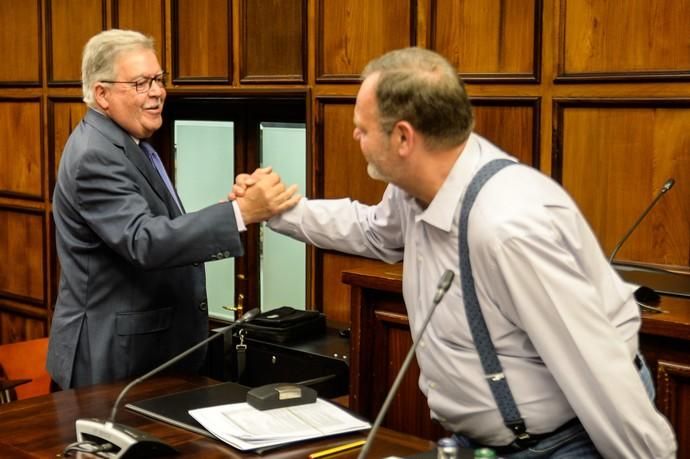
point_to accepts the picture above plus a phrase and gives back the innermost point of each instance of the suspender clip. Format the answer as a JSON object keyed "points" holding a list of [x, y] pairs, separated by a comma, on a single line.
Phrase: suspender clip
{"points": [[495, 376]]}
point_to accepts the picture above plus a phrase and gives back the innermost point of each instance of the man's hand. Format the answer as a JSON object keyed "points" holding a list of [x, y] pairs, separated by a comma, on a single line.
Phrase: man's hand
{"points": [[263, 195], [244, 181]]}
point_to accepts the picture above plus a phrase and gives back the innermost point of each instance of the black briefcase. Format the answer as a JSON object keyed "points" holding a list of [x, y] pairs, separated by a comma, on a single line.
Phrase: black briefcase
{"points": [[285, 324]]}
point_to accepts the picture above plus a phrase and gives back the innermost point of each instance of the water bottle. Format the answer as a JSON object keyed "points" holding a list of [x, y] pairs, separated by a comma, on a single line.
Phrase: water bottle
{"points": [[484, 453], [447, 448]]}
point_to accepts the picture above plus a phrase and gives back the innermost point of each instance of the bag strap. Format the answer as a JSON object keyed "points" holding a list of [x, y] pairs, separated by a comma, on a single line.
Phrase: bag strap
{"points": [[493, 370]]}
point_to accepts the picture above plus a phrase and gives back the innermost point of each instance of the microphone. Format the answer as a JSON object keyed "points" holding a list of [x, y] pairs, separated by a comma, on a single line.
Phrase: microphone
{"points": [[442, 288], [666, 187], [120, 441]]}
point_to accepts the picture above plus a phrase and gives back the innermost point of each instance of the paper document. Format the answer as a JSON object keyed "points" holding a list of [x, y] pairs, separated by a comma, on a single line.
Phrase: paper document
{"points": [[246, 428]]}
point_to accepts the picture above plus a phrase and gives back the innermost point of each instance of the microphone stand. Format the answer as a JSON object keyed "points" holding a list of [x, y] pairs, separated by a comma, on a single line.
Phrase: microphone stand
{"points": [[443, 286], [667, 186], [119, 441]]}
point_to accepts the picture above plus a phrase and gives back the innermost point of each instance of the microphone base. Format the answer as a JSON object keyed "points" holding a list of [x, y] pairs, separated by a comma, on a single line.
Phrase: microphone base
{"points": [[127, 442]]}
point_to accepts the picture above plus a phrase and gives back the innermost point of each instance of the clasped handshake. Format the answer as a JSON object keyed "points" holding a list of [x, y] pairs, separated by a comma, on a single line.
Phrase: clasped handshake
{"points": [[262, 195]]}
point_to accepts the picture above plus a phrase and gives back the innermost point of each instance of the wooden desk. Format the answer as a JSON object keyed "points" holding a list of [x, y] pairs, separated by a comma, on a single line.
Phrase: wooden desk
{"points": [[41, 427], [380, 339]]}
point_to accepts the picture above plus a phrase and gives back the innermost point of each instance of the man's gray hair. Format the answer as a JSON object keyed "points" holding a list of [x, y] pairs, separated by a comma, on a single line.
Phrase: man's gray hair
{"points": [[101, 53]]}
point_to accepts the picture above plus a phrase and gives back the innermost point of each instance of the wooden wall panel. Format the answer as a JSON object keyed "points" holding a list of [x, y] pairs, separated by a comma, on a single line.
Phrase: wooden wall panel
{"points": [[16, 326], [202, 37], [613, 157], [335, 297], [392, 342], [21, 149], [64, 115], [512, 124], [146, 16], [20, 38], [340, 153], [673, 399], [22, 242], [352, 32], [487, 39], [70, 25], [273, 41], [625, 41]]}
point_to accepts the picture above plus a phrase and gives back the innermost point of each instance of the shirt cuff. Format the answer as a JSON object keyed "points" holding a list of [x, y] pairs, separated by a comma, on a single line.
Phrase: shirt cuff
{"points": [[238, 217]]}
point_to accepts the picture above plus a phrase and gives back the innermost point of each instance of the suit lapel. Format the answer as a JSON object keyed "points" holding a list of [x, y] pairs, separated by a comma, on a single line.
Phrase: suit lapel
{"points": [[141, 161], [137, 157]]}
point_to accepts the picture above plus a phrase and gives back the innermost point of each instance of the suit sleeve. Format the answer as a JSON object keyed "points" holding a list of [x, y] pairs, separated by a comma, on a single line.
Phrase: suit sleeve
{"points": [[111, 199]]}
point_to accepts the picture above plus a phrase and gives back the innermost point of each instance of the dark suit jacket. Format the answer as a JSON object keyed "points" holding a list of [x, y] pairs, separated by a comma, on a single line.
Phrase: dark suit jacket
{"points": [[132, 287]]}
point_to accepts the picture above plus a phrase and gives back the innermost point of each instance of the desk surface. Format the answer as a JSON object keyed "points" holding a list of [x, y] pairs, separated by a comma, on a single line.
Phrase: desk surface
{"points": [[43, 426]]}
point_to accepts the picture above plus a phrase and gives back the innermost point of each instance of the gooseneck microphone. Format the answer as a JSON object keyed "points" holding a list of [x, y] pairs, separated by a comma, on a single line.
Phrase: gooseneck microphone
{"points": [[442, 288], [667, 186], [119, 441]]}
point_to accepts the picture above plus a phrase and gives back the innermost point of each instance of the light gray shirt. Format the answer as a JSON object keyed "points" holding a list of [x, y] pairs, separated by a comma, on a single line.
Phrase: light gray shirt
{"points": [[563, 323]]}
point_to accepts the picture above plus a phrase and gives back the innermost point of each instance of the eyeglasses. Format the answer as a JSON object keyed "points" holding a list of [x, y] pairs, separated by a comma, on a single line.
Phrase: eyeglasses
{"points": [[143, 84]]}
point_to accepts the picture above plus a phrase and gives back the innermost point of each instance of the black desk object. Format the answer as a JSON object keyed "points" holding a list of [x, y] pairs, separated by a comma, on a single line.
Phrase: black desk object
{"points": [[662, 281], [174, 408], [325, 358]]}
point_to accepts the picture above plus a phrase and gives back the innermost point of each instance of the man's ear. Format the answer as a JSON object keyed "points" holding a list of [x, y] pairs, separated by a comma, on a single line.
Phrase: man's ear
{"points": [[405, 137], [101, 95]]}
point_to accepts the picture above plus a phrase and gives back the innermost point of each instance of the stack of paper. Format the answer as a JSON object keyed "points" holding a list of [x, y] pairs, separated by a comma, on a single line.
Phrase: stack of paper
{"points": [[246, 428]]}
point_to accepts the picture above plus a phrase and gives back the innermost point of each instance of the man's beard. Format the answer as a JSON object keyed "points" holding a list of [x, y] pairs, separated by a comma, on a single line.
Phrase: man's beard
{"points": [[375, 173]]}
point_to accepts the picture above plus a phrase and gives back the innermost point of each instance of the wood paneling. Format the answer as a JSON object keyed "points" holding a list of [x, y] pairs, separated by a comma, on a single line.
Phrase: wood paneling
{"points": [[22, 242], [392, 336], [352, 32], [335, 296], [602, 39], [340, 152], [673, 399], [146, 16], [64, 115], [489, 39], [511, 124], [202, 40], [20, 38], [613, 157], [16, 326], [21, 173], [273, 41], [70, 25]]}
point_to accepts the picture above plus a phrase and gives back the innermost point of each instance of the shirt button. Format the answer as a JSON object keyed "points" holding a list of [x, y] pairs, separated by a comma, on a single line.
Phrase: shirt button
{"points": [[421, 343], [203, 306], [432, 385], [227, 254]]}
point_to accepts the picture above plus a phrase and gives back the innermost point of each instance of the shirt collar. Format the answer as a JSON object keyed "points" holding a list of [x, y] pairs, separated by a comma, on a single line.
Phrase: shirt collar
{"points": [[442, 209]]}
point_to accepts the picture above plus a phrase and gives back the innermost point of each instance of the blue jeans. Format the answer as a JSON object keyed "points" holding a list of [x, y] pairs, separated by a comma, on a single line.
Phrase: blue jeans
{"points": [[570, 443]]}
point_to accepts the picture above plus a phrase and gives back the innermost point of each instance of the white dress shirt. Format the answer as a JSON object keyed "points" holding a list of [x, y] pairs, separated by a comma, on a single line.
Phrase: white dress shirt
{"points": [[563, 323]]}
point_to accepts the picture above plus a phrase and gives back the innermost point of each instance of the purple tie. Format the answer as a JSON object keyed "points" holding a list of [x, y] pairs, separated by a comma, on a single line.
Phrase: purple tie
{"points": [[158, 164]]}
